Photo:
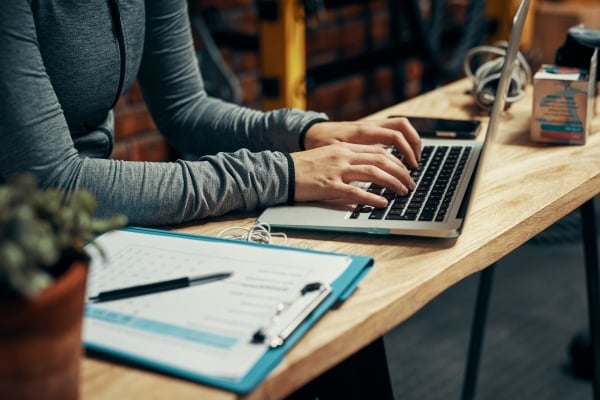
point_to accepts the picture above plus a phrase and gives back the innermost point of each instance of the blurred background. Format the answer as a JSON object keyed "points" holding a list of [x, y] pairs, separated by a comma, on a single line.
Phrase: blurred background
{"points": [[352, 58], [345, 58]]}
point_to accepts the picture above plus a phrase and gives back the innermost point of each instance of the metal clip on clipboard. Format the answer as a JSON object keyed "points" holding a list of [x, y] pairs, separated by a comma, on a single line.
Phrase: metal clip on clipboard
{"points": [[309, 298]]}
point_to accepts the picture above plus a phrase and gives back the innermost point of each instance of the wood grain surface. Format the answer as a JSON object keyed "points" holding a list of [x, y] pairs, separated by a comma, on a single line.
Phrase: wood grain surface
{"points": [[526, 187]]}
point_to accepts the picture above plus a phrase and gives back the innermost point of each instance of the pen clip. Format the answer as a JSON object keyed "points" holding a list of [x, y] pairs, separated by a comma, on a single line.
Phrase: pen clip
{"points": [[278, 339]]}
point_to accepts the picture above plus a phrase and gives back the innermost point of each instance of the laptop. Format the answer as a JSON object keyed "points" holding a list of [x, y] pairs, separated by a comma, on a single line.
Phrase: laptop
{"points": [[448, 171]]}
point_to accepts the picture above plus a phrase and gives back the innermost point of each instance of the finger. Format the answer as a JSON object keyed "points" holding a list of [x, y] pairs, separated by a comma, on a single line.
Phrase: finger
{"points": [[409, 142], [370, 161], [398, 132], [375, 154], [352, 194], [403, 124], [371, 173], [361, 196], [411, 156]]}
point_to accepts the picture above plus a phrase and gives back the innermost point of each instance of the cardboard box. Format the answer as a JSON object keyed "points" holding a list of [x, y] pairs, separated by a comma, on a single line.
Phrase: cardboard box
{"points": [[563, 103]]}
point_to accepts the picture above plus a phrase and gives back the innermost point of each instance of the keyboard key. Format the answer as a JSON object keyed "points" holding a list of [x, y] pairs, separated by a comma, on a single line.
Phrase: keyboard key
{"points": [[437, 178]]}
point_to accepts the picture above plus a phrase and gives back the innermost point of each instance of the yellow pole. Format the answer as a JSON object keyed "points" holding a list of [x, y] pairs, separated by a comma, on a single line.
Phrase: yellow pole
{"points": [[503, 11], [282, 53]]}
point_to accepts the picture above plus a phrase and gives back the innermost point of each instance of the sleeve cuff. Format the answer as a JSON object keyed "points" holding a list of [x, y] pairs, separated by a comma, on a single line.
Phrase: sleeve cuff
{"points": [[291, 179], [306, 128]]}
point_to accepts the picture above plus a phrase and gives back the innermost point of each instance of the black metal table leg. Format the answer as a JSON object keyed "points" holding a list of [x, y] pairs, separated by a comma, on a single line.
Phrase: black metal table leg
{"points": [[364, 375], [477, 332], [590, 246]]}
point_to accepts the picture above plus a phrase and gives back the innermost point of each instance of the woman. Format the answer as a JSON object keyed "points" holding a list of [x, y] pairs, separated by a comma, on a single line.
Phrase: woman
{"points": [[63, 66]]}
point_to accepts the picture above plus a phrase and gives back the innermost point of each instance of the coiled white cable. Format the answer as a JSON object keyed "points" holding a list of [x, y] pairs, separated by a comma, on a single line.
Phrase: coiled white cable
{"points": [[258, 233], [486, 77]]}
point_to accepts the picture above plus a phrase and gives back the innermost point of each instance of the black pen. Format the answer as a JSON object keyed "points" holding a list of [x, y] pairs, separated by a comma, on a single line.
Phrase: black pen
{"points": [[156, 287]]}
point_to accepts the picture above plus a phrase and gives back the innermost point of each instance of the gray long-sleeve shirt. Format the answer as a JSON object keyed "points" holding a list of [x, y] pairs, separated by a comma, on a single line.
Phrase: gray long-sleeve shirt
{"points": [[64, 64]]}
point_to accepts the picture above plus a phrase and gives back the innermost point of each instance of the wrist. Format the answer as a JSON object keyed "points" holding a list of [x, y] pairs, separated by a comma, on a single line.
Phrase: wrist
{"points": [[291, 179], [302, 137]]}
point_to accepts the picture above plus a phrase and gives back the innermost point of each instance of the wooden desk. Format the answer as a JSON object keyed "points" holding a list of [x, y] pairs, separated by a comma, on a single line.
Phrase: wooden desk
{"points": [[526, 188]]}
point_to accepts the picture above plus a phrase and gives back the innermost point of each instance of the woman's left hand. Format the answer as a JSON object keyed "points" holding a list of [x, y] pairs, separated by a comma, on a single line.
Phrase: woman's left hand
{"points": [[397, 132]]}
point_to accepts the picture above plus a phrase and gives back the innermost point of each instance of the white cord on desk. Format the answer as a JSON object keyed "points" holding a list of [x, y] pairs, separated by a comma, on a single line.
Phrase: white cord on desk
{"points": [[486, 77], [258, 233]]}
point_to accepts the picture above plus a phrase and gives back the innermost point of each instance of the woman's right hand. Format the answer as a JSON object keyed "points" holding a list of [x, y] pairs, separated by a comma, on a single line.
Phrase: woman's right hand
{"points": [[325, 173]]}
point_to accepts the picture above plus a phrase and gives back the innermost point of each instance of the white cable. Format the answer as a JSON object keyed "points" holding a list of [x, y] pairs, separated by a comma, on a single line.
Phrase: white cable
{"points": [[485, 77], [257, 233]]}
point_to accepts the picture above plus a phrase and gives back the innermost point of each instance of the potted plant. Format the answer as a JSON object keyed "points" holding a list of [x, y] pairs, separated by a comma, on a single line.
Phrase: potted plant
{"points": [[43, 271]]}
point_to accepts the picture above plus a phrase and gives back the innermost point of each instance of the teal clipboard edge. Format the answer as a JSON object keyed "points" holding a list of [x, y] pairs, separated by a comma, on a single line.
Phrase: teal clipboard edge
{"points": [[342, 288]]}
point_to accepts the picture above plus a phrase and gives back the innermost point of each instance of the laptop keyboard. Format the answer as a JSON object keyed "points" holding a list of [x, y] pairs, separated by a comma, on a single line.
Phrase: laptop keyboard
{"points": [[437, 178]]}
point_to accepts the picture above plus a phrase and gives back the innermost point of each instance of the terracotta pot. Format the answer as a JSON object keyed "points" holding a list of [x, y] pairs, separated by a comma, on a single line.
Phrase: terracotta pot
{"points": [[40, 340]]}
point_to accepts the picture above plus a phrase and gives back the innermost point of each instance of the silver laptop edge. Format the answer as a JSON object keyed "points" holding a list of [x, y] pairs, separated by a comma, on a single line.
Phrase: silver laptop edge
{"points": [[510, 60], [321, 216], [330, 217]]}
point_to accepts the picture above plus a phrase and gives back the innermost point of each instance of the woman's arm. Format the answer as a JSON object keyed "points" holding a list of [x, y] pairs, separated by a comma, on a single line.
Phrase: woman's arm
{"points": [[194, 122], [173, 89], [35, 137]]}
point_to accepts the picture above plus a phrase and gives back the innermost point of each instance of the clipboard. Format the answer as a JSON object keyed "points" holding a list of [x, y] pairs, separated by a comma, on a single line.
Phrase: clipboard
{"points": [[322, 297]]}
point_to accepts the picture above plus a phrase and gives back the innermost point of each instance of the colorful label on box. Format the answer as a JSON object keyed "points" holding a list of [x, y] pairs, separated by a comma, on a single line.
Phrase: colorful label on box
{"points": [[560, 105]]}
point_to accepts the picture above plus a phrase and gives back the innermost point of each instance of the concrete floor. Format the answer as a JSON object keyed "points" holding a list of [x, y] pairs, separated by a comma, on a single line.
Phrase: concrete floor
{"points": [[538, 303]]}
